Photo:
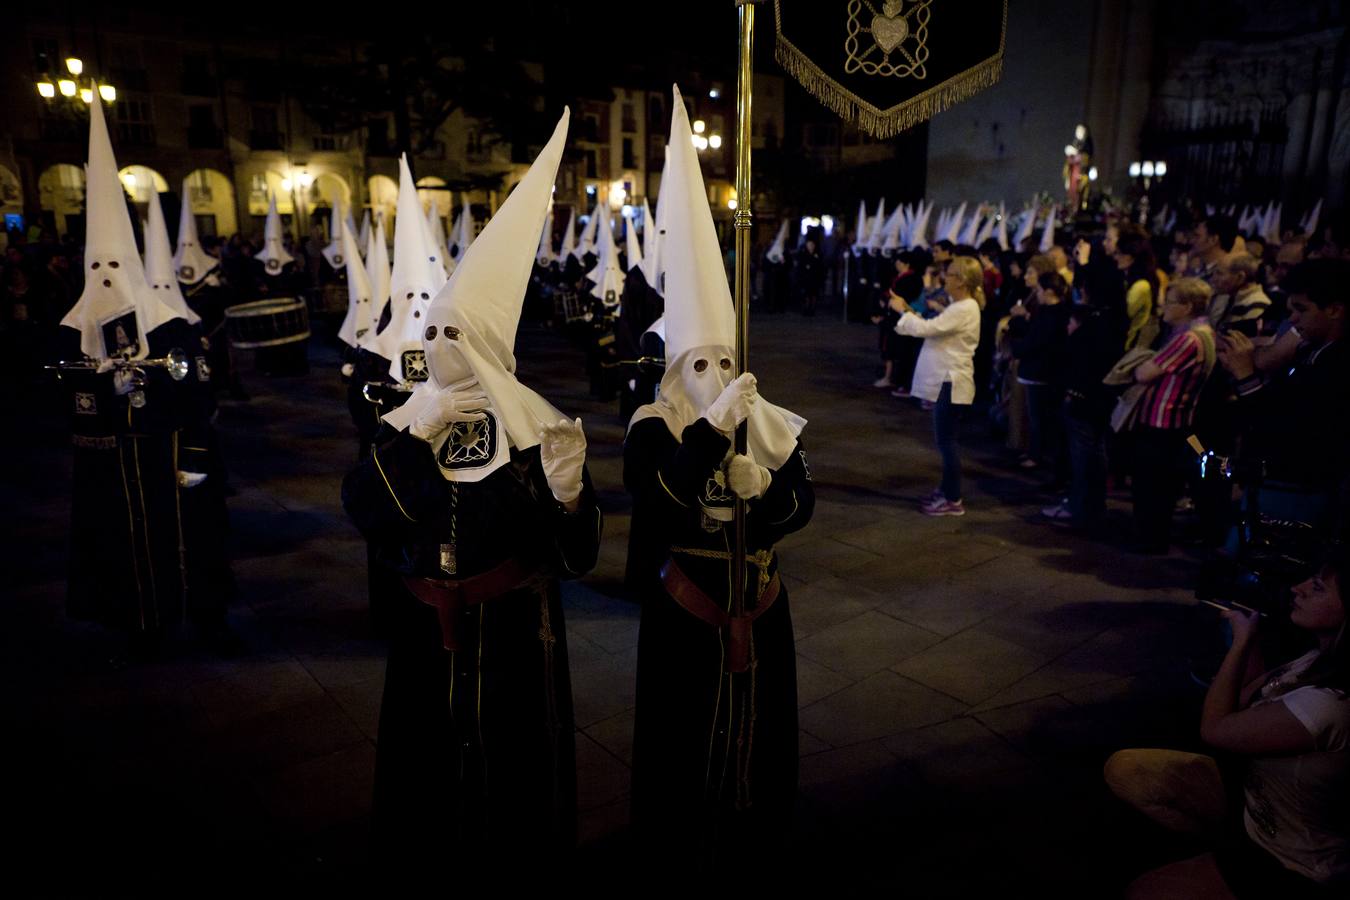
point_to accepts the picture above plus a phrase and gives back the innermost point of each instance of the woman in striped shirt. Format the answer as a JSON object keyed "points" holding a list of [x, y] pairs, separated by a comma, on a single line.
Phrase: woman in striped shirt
{"points": [[1165, 412]]}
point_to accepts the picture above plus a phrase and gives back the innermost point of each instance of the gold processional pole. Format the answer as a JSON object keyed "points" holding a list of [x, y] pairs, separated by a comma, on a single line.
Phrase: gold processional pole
{"points": [[743, 218]]}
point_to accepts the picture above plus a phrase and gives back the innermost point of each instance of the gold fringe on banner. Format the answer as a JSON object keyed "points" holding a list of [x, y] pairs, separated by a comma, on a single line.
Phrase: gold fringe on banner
{"points": [[885, 123]]}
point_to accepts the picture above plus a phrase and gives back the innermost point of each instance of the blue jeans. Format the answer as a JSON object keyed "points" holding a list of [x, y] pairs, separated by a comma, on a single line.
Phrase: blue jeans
{"points": [[944, 432], [1087, 460]]}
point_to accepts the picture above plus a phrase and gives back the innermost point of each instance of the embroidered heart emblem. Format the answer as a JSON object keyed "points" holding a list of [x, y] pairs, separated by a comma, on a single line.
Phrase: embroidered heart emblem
{"points": [[889, 32]]}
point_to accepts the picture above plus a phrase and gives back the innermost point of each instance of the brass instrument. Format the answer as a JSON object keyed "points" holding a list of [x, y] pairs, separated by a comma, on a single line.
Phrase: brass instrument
{"points": [[175, 363]]}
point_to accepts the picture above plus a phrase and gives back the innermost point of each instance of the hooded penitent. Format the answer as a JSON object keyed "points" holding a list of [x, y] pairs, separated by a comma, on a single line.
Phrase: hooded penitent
{"points": [[700, 322], [470, 333], [190, 262], [117, 309], [607, 277], [775, 253], [463, 236], [544, 255], [363, 239], [860, 229], [412, 284], [875, 234], [650, 243], [569, 238], [436, 239], [1048, 233], [1003, 226], [1024, 229], [273, 255], [890, 233], [159, 270], [918, 235], [358, 328], [377, 274], [634, 247], [586, 244], [656, 263], [953, 233], [333, 252]]}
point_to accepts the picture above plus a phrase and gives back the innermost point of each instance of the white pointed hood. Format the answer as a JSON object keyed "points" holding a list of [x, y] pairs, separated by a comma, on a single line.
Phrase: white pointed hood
{"points": [[986, 230], [1048, 233], [775, 252], [470, 332], [587, 242], [569, 238], [700, 321], [918, 235], [412, 284], [1003, 226], [656, 257], [273, 255], [191, 263], [544, 255], [860, 229], [890, 233], [377, 273], [358, 328], [877, 227], [117, 309], [159, 271], [972, 229], [463, 236], [1024, 228], [649, 243], [1273, 230], [953, 233], [437, 242], [633, 248], [333, 253], [1309, 224], [363, 239], [607, 277]]}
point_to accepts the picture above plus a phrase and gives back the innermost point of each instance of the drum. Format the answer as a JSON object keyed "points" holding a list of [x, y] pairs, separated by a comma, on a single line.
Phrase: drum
{"points": [[267, 323], [277, 328]]}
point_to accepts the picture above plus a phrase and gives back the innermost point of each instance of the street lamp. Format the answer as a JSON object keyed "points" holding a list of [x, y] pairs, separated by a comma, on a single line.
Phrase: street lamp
{"points": [[67, 87], [107, 92], [87, 95], [715, 141], [46, 90], [74, 65]]}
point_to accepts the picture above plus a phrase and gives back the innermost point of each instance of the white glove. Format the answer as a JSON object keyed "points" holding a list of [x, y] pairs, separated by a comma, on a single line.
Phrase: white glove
{"points": [[124, 381], [746, 478], [734, 405], [562, 450], [347, 370], [447, 407], [190, 479]]}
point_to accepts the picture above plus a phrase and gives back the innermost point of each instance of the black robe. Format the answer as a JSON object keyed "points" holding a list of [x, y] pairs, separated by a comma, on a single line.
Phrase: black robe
{"points": [[128, 560], [476, 751], [714, 753]]}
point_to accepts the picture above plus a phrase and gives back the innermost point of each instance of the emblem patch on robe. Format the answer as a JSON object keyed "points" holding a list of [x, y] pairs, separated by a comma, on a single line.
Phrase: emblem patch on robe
{"points": [[717, 502], [203, 369], [337, 260], [414, 365], [121, 337], [85, 404], [273, 265], [185, 273], [470, 445]]}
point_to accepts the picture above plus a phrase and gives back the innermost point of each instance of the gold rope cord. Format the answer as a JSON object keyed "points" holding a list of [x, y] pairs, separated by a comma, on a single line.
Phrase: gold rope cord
{"points": [[884, 123]]}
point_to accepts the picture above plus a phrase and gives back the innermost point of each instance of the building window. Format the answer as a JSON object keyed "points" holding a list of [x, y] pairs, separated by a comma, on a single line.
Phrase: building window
{"points": [[656, 111], [135, 125], [629, 162], [197, 78], [591, 170], [264, 133], [629, 118], [202, 131]]}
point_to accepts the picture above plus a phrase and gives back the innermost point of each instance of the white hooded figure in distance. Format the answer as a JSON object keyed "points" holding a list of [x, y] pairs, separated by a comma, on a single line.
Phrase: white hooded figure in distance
{"points": [[704, 673], [608, 276], [273, 255], [334, 253], [191, 262], [416, 277], [159, 267], [477, 491]]}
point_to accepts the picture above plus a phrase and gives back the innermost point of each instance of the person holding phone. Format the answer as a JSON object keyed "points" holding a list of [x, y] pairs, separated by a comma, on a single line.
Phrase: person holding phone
{"points": [[1288, 729]]}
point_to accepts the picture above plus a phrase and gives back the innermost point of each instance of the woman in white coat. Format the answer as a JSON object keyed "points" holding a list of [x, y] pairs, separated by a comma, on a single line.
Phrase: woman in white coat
{"points": [[945, 373]]}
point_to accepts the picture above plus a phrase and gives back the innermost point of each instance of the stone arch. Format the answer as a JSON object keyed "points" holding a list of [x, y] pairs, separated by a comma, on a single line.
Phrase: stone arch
{"points": [[383, 192], [141, 182], [211, 194], [325, 192], [61, 197], [440, 195]]}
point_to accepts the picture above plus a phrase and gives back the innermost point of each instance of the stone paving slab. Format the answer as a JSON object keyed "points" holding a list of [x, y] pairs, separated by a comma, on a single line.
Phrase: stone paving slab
{"points": [[960, 679]]}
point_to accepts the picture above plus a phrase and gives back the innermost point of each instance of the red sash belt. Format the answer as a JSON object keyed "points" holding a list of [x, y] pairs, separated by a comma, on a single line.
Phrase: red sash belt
{"points": [[452, 597], [702, 607]]}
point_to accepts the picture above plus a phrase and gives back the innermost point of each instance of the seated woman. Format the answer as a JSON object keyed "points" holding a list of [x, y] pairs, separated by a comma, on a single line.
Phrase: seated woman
{"points": [[1290, 727]]}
